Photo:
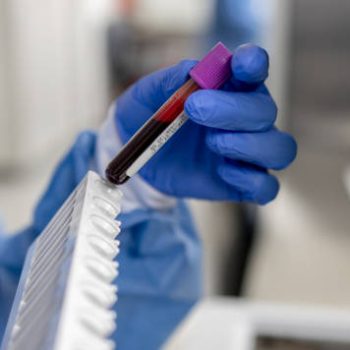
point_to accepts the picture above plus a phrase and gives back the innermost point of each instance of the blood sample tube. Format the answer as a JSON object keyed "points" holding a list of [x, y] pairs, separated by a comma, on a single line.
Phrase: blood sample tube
{"points": [[209, 73]]}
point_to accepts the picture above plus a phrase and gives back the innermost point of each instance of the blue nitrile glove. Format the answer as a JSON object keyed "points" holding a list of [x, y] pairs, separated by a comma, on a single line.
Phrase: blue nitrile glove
{"points": [[225, 150]]}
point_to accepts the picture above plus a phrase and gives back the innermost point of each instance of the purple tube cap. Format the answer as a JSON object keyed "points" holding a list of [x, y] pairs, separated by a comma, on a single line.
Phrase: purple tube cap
{"points": [[214, 69]]}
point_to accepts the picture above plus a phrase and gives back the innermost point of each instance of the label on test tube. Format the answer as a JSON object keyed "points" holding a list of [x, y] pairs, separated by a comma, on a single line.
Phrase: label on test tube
{"points": [[157, 144]]}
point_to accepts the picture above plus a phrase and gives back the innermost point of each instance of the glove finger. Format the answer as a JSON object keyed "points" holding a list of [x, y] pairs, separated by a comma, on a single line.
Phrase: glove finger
{"points": [[236, 111], [250, 66], [252, 183], [272, 149]]}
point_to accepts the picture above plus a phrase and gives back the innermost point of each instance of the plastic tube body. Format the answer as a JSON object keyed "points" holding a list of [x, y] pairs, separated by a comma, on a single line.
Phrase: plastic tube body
{"points": [[151, 136]]}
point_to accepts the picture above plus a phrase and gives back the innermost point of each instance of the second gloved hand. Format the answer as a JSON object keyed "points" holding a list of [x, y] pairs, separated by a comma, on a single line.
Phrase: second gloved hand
{"points": [[225, 150]]}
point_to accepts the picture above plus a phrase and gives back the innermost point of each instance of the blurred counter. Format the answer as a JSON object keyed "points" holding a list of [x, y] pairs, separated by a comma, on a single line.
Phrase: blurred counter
{"points": [[227, 323]]}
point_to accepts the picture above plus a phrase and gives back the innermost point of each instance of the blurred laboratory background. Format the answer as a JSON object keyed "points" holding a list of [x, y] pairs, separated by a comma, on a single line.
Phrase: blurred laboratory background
{"points": [[62, 62]]}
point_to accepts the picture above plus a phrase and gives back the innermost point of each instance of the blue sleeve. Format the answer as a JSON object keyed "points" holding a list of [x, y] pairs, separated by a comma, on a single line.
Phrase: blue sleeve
{"points": [[13, 250], [160, 275]]}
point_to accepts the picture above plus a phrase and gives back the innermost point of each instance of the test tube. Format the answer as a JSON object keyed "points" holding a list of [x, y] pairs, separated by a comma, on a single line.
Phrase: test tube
{"points": [[209, 73]]}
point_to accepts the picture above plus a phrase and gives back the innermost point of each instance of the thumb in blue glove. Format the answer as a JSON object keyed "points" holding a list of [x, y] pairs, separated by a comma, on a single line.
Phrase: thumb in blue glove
{"points": [[229, 145]]}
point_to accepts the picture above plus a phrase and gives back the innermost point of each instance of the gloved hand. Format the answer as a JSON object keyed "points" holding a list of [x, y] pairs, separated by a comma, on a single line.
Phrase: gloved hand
{"points": [[225, 150]]}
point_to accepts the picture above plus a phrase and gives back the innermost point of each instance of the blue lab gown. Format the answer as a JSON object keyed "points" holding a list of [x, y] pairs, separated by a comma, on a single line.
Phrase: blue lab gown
{"points": [[160, 259]]}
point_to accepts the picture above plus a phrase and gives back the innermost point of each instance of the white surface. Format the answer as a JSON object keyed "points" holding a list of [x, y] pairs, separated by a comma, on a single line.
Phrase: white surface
{"points": [[223, 323]]}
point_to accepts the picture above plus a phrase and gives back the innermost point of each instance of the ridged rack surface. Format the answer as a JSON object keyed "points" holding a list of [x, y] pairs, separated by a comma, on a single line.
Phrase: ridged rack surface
{"points": [[66, 293]]}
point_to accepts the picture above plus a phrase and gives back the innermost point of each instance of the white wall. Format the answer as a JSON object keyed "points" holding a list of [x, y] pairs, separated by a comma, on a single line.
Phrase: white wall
{"points": [[56, 80], [275, 16], [4, 120], [174, 15]]}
